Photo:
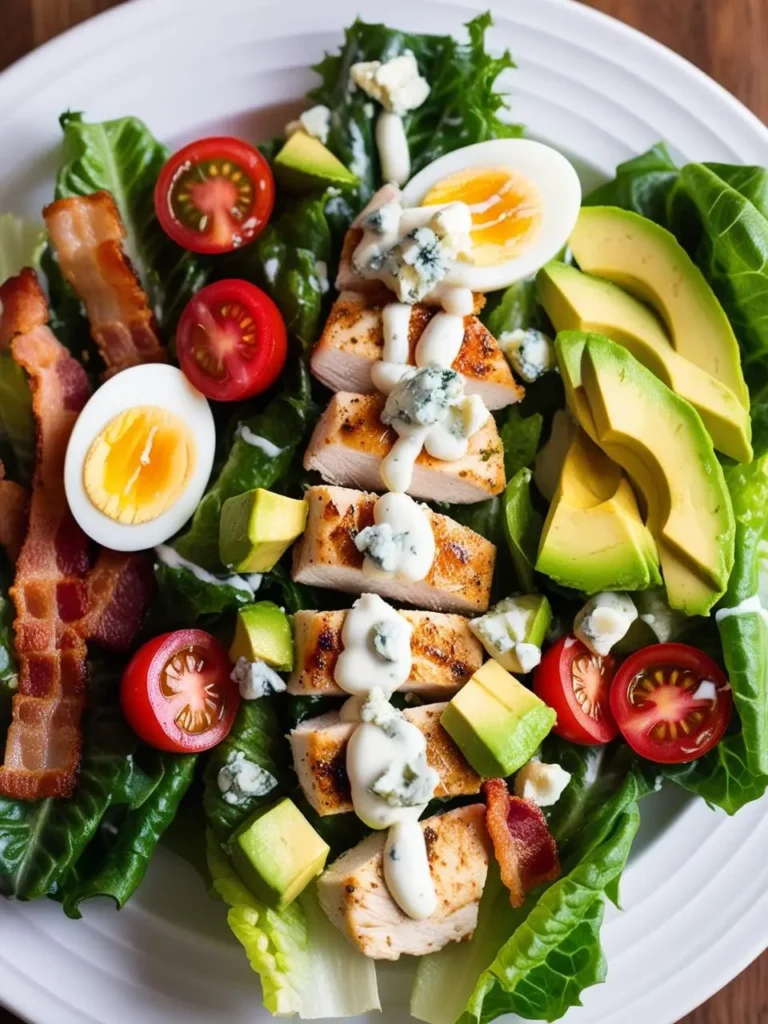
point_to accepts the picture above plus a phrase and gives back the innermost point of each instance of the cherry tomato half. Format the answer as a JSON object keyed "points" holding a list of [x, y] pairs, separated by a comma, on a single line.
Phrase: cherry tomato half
{"points": [[672, 703], [576, 684], [231, 340], [176, 692], [215, 195]]}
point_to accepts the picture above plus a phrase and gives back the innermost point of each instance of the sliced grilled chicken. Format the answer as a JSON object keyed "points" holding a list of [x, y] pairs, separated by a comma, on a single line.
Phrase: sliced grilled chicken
{"points": [[444, 650], [459, 579], [319, 748], [355, 897], [349, 442], [352, 341]]}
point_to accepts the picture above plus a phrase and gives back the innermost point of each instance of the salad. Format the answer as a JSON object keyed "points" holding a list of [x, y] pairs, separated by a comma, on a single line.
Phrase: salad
{"points": [[382, 520]]}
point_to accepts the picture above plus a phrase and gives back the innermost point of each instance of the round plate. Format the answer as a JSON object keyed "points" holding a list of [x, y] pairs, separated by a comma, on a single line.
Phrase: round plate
{"points": [[696, 890]]}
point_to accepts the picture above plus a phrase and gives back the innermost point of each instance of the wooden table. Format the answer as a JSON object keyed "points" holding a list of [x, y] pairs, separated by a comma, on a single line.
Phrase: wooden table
{"points": [[727, 38]]}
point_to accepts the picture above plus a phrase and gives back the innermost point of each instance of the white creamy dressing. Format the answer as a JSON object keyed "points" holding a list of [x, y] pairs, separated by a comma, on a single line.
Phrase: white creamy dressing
{"points": [[400, 543], [377, 648], [170, 557], [428, 409], [391, 785], [245, 433], [749, 606]]}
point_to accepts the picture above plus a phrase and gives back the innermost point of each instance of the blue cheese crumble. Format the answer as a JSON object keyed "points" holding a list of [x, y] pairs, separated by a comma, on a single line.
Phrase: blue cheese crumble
{"points": [[240, 780], [256, 679], [604, 620], [529, 352]]}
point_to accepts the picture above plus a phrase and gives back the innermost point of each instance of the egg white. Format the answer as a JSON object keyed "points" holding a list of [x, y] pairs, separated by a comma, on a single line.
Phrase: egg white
{"points": [[551, 174], [151, 384]]}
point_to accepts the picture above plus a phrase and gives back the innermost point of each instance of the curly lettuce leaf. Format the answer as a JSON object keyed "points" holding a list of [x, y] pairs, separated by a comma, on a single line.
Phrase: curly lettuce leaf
{"points": [[536, 961], [463, 106], [642, 184], [139, 832], [256, 733], [306, 967], [283, 422], [124, 158]]}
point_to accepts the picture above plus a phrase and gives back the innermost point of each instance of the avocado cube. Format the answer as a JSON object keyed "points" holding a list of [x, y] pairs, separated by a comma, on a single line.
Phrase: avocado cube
{"points": [[304, 163], [277, 853], [256, 529], [263, 633], [497, 723]]}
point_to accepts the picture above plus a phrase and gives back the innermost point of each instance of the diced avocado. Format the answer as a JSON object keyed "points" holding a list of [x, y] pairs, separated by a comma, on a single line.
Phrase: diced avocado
{"points": [[304, 163], [263, 633], [648, 261], [277, 853], [257, 527], [577, 301], [659, 439], [522, 526], [513, 631], [497, 723], [594, 538]]}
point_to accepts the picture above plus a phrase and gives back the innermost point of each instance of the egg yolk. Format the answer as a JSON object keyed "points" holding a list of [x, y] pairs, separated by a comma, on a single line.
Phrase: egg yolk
{"points": [[139, 465], [505, 208]]}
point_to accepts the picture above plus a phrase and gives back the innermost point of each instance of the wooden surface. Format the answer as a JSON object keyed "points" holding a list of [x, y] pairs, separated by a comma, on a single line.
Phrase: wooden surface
{"points": [[726, 38]]}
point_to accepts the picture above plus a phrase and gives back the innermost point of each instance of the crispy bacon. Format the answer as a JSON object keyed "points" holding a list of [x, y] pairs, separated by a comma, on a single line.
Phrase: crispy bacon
{"points": [[525, 848], [87, 233], [13, 515], [50, 593], [120, 588]]}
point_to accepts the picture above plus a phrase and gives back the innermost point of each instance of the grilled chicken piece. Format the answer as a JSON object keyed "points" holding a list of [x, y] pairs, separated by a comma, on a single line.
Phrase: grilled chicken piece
{"points": [[352, 341], [459, 579], [355, 897], [349, 442], [319, 748], [445, 653]]}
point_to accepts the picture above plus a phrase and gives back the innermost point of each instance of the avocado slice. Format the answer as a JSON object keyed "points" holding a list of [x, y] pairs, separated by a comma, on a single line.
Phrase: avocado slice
{"points": [[577, 301], [277, 853], [256, 529], [659, 439], [497, 723], [594, 538], [263, 633], [648, 261], [304, 163]]}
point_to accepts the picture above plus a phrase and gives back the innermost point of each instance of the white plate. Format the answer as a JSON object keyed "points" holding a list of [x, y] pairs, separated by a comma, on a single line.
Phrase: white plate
{"points": [[696, 891]]}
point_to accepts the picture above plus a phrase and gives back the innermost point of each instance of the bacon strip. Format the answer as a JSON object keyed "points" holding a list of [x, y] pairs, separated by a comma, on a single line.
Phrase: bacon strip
{"points": [[525, 848], [87, 233], [120, 588], [43, 746], [13, 515]]}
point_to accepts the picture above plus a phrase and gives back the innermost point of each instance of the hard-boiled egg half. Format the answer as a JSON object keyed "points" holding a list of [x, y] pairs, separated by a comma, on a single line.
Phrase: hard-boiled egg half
{"points": [[139, 458], [524, 198]]}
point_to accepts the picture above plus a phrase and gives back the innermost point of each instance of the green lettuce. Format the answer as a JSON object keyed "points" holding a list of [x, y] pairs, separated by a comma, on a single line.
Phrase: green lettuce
{"points": [[21, 245], [536, 961], [283, 422], [256, 733], [123, 157], [522, 527], [642, 185], [520, 436], [139, 832], [183, 597], [463, 106], [722, 777], [307, 968]]}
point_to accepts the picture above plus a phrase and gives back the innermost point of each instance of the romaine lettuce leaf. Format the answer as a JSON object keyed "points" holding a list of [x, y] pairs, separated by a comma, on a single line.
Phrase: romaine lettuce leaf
{"points": [[183, 598], [642, 185], [722, 777], [139, 832], [283, 423], [522, 527], [463, 105], [520, 436], [21, 244], [535, 961], [123, 157], [306, 967], [257, 734]]}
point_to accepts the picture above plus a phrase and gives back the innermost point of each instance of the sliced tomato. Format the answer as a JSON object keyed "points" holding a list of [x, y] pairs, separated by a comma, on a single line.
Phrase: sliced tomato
{"points": [[575, 683], [215, 194], [231, 340], [672, 703], [176, 692]]}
